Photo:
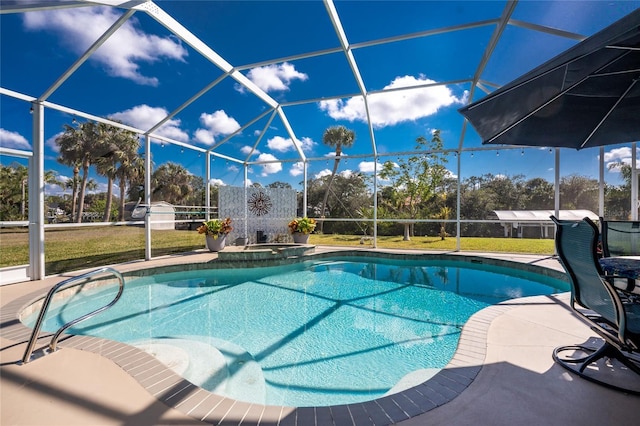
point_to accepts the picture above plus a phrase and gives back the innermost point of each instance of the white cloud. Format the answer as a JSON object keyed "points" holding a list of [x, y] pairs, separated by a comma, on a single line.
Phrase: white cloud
{"points": [[275, 77], [307, 144], [333, 154], [204, 136], [145, 117], [122, 53], [216, 124], [368, 166], [297, 169], [269, 168], [50, 189], [617, 156], [346, 173], [233, 168], [13, 140], [101, 187], [217, 182], [388, 109], [219, 122], [51, 142], [280, 144], [246, 150], [322, 173]]}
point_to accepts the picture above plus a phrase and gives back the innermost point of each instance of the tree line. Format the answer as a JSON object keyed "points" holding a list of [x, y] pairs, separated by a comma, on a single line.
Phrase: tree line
{"points": [[419, 186], [413, 187], [110, 152]]}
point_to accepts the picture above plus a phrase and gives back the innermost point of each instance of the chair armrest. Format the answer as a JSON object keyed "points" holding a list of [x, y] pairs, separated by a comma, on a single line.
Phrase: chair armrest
{"points": [[622, 283]]}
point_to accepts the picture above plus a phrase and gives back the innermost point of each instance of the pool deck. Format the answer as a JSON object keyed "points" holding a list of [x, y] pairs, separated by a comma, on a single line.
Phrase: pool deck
{"points": [[502, 374]]}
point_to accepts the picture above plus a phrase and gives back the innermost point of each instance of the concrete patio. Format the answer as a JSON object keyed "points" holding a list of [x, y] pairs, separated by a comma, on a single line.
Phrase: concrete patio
{"points": [[518, 382]]}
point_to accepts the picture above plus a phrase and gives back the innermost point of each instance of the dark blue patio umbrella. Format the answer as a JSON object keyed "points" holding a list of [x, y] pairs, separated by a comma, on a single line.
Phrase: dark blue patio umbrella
{"points": [[587, 96]]}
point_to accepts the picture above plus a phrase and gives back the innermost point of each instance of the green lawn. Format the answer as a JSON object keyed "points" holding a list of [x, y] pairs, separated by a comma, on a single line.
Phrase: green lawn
{"points": [[504, 245], [79, 248]]}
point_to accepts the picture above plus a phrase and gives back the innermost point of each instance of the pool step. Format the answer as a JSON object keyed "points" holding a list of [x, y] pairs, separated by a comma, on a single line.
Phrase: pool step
{"points": [[216, 365], [412, 379]]}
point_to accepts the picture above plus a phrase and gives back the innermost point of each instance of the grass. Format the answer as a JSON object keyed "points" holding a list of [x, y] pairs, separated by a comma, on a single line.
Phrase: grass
{"points": [[79, 248], [501, 245]]}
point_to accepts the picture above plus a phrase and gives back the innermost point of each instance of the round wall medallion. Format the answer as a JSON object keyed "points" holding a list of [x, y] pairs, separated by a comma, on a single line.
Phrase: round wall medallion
{"points": [[259, 203]]}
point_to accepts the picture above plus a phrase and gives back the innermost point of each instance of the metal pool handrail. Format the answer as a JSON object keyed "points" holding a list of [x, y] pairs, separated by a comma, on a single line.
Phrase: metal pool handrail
{"points": [[82, 279]]}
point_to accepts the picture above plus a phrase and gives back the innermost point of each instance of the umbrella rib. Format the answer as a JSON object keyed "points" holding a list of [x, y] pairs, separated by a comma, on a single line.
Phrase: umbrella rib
{"points": [[624, 48], [635, 80], [535, 111], [565, 64], [608, 74], [527, 81], [559, 94]]}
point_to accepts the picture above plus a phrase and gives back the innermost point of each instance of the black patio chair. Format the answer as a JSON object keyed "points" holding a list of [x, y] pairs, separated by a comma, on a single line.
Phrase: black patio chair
{"points": [[620, 237], [613, 313]]}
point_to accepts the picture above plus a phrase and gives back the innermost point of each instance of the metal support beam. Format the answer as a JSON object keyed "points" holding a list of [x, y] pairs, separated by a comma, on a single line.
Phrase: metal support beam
{"points": [[36, 196], [203, 49], [634, 182], [86, 55], [246, 207], [147, 197], [375, 201], [556, 196], [305, 172], [292, 135], [207, 195], [342, 36], [488, 52], [458, 202], [601, 184]]}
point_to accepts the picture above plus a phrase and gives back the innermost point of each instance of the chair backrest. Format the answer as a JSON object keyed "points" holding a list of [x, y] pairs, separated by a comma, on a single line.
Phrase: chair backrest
{"points": [[576, 245], [620, 237]]}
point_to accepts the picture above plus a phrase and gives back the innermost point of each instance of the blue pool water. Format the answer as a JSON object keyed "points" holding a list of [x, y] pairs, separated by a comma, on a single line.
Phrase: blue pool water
{"points": [[318, 333]]}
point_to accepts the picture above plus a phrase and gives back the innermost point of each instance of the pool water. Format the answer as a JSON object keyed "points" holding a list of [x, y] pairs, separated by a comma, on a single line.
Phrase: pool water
{"points": [[318, 333]]}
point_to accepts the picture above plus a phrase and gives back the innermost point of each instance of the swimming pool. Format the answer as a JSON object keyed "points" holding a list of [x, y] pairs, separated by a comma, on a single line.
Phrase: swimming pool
{"points": [[323, 332]]}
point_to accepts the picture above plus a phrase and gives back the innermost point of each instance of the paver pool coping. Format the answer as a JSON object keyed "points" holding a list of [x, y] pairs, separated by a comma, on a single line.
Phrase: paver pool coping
{"points": [[173, 390]]}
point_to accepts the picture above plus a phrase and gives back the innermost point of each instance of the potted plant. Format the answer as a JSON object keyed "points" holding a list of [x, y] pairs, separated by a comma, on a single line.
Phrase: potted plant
{"points": [[215, 231], [300, 228]]}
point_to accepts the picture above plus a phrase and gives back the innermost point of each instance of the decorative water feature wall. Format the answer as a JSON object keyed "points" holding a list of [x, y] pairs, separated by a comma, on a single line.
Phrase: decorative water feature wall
{"points": [[267, 212]]}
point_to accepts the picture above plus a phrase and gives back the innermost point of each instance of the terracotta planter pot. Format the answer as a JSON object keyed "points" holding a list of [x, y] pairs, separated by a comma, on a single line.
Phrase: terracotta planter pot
{"points": [[300, 238], [216, 244]]}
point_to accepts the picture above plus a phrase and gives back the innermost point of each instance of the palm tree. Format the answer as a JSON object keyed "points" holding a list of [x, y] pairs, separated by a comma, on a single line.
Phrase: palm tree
{"points": [[336, 137], [70, 155], [51, 178], [131, 169], [171, 183], [106, 164], [92, 185], [79, 147], [118, 149], [88, 138]]}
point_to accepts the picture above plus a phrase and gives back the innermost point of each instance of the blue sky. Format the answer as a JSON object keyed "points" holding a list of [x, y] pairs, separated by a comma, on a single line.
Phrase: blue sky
{"points": [[143, 72]]}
